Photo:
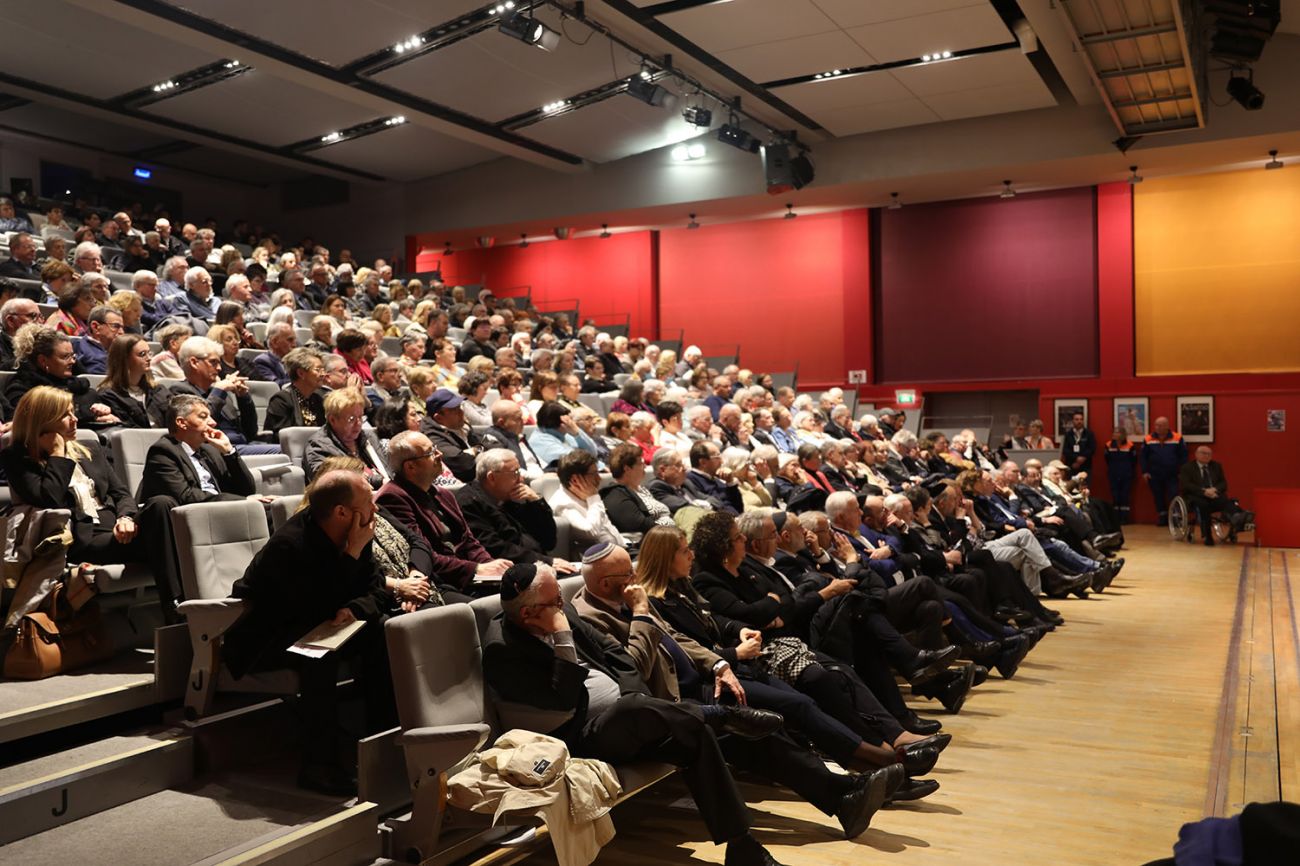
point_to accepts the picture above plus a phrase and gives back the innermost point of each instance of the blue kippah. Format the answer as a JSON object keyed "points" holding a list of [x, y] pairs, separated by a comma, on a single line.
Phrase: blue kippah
{"points": [[597, 552]]}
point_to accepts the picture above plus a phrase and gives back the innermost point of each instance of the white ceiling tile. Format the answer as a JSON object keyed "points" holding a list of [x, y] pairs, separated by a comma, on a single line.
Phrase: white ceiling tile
{"points": [[332, 31], [872, 118], [998, 99], [404, 153], [951, 30], [495, 77], [846, 92], [967, 73], [612, 129], [725, 26], [802, 55], [72, 48], [855, 13], [261, 108]]}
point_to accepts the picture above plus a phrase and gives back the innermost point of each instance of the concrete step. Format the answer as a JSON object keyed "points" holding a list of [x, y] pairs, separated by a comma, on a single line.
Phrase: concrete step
{"points": [[61, 788]]}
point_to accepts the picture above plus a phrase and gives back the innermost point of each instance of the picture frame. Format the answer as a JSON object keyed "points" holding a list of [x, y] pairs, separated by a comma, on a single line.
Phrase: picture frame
{"points": [[1133, 414], [1196, 418], [1275, 421], [1063, 408]]}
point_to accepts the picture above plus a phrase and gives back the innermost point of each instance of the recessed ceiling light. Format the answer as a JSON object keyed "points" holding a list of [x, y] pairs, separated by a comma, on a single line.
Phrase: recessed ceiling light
{"points": [[894, 203], [1007, 191], [1134, 177], [1273, 161], [789, 212], [692, 224]]}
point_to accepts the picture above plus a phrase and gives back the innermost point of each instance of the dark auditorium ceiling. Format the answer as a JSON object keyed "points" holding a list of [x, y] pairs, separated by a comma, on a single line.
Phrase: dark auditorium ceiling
{"points": [[285, 74]]}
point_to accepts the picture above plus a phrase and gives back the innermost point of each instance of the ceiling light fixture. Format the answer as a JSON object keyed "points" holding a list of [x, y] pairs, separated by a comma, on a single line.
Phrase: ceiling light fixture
{"points": [[408, 45], [831, 74], [604, 230], [642, 88], [894, 203], [395, 121], [331, 137], [552, 107], [1273, 161], [696, 116], [688, 152], [166, 85], [1243, 90], [1007, 191], [447, 250], [692, 224], [733, 134], [1134, 177], [232, 64], [789, 212], [523, 241], [529, 31]]}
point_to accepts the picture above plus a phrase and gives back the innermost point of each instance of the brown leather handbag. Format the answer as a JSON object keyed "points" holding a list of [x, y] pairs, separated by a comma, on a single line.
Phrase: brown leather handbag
{"points": [[37, 651], [57, 642]]}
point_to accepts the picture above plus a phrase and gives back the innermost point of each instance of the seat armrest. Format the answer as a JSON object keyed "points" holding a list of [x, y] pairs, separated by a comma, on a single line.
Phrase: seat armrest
{"points": [[275, 470], [475, 732], [212, 617]]}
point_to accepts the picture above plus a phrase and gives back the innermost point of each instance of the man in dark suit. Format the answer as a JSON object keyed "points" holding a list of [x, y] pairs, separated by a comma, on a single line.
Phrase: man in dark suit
{"points": [[269, 366], [22, 258], [667, 486], [413, 498], [478, 341], [195, 461], [1202, 483], [444, 424], [1077, 446], [559, 676], [319, 568], [506, 515], [197, 300], [507, 432], [704, 480], [227, 398]]}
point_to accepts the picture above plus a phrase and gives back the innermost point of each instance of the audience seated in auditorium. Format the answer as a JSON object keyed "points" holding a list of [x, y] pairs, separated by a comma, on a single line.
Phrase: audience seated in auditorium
{"points": [[1205, 488], [507, 432], [506, 515], [14, 313], [194, 461], [557, 434], [578, 501], [227, 396], [343, 435], [444, 424]]}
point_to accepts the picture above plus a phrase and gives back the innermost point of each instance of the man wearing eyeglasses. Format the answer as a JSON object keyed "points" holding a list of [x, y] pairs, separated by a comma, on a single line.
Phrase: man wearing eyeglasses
{"points": [[104, 325], [227, 398], [15, 313], [460, 562]]}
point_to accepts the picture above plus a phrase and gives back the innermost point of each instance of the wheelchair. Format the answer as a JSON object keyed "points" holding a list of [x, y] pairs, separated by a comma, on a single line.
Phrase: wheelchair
{"points": [[1183, 518]]}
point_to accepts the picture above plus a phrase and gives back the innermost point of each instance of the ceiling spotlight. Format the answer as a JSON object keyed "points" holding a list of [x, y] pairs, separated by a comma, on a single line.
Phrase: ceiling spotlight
{"points": [[395, 121], [502, 8], [692, 224], [687, 152], [696, 116], [330, 138], [642, 88], [408, 45], [523, 241], [231, 64], [1007, 191], [646, 74], [1244, 91], [789, 212], [1134, 177], [551, 107], [946, 55], [925, 58], [1273, 161], [529, 31], [731, 133], [604, 230], [894, 203]]}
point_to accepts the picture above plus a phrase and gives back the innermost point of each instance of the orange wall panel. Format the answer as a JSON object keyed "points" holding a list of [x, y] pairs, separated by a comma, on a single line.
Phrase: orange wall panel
{"points": [[1217, 273]]}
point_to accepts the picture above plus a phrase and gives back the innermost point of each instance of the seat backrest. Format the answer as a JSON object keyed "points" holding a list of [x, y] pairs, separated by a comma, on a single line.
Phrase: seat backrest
{"points": [[93, 379], [437, 665], [248, 354], [281, 479], [302, 318], [546, 485], [283, 508], [293, 441], [562, 538], [303, 335], [261, 392], [594, 403], [391, 346], [130, 447], [215, 542]]}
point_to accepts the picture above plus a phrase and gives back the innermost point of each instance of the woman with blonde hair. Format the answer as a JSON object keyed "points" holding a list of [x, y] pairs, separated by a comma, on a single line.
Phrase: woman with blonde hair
{"points": [[129, 305], [1036, 440], [227, 337], [48, 468], [420, 380], [383, 314], [667, 364], [445, 372], [343, 436]]}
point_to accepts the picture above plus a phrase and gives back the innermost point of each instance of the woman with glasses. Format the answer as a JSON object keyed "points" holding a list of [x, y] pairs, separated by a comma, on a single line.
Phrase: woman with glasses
{"points": [[629, 505], [663, 568], [301, 403], [128, 388], [741, 464], [343, 436]]}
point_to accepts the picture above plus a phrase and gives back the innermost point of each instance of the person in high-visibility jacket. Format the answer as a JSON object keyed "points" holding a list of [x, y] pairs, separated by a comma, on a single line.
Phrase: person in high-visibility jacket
{"points": [[1163, 454], [1121, 469]]}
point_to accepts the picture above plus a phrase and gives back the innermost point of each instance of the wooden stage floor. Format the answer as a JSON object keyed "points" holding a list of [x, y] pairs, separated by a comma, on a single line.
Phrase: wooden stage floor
{"points": [[1173, 695]]}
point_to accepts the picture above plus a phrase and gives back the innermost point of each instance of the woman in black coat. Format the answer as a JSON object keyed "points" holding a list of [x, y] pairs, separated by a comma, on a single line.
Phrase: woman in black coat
{"points": [[46, 358], [48, 468], [301, 403], [128, 388], [629, 505]]}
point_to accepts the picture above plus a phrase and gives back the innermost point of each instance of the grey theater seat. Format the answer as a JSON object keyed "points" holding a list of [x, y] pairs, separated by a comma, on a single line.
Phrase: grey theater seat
{"points": [[282, 509], [447, 711], [215, 542], [261, 392], [293, 442], [117, 578]]}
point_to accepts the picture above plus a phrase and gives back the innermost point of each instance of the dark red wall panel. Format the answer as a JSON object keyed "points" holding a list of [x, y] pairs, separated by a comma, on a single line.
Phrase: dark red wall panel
{"points": [[991, 288]]}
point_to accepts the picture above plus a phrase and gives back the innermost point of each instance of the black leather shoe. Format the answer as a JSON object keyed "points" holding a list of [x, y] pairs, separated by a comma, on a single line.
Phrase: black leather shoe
{"points": [[1068, 585], [981, 651], [746, 851], [938, 741], [750, 723], [913, 789], [859, 805], [931, 663], [914, 724], [1109, 541], [328, 780], [918, 760], [1012, 656], [1082, 584], [1102, 577], [949, 690], [981, 674], [1117, 564]]}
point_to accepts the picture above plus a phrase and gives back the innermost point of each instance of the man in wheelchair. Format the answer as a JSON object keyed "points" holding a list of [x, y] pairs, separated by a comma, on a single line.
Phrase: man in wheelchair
{"points": [[1204, 487]]}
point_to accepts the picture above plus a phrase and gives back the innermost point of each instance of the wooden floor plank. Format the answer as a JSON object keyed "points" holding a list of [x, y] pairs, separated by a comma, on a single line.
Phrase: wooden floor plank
{"points": [[1096, 753], [1286, 653]]}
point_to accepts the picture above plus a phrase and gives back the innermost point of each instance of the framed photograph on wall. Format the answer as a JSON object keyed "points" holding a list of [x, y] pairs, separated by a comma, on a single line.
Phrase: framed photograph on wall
{"points": [[1065, 408], [1196, 418], [1133, 414]]}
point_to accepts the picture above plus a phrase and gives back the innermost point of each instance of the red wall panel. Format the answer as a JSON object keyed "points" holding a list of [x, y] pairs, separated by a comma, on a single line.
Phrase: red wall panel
{"points": [[787, 290], [1115, 278], [993, 288], [605, 275]]}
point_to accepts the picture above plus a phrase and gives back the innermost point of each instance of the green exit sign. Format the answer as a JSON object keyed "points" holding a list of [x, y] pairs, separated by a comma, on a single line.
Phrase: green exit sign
{"points": [[905, 398]]}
